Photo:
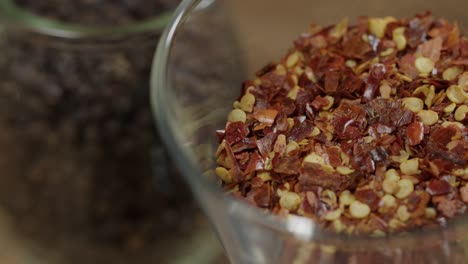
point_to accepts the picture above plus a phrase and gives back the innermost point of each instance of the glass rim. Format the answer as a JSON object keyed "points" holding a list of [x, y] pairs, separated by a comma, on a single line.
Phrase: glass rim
{"points": [[301, 227], [12, 14]]}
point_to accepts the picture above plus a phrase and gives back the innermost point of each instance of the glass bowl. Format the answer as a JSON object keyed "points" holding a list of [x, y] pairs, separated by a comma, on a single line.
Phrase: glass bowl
{"points": [[223, 44]]}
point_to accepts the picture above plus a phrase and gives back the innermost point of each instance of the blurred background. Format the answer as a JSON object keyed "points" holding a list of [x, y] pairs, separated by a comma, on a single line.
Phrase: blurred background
{"points": [[84, 177]]}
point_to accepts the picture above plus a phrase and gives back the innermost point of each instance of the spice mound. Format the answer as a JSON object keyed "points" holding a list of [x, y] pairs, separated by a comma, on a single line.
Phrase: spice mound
{"points": [[361, 128]]}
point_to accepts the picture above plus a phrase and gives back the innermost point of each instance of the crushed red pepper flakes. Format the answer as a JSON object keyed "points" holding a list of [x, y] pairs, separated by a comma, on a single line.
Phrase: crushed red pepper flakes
{"points": [[357, 124]]}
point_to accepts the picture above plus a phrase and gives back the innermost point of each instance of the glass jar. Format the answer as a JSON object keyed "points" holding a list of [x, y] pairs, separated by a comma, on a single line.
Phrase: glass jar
{"points": [[83, 170], [189, 113]]}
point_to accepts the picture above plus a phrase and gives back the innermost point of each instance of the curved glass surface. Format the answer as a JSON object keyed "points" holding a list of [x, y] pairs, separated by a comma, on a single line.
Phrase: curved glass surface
{"points": [[192, 94]]}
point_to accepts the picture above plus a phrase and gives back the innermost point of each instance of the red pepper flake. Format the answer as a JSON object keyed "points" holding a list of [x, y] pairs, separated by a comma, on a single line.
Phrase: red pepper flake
{"points": [[262, 196], [235, 132], [301, 131], [312, 174], [332, 81], [438, 187], [319, 103], [431, 49], [368, 197], [265, 116], [256, 163], [376, 75], [415, 133]]}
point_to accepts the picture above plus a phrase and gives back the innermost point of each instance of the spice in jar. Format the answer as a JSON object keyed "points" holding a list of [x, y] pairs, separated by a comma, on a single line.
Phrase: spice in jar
{"points": [[361, 128]]}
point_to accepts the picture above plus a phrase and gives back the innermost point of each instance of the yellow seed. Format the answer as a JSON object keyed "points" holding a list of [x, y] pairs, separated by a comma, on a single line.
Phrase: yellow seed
{"points": [[463, 81], [290, 201], [344, 170], [413, 104], [223, 174], [406, 187], [329, 197], [424, 65], [402, 213], [237, 115], [338, 226], [399, 38], [247, 102], [424, 89], [340, 29], [452, 144], [460, 113], [387, 201], [292, 145], [236, 105], [292, 94], [315, 132], [428, 117], [390, 186], [387, 52], [456, 94], [430, 96], [446, 124], [404, 77], [451, 73], [350, 63], [359, 210], [430, 213], [378, 233], [314, 158], [385, 90], [330, 100], [449, 108], [377, 26], [392, 175], [394, 224], [281, 70], [290, 122], [461, 172], [292, 59], [344, 158], [264, 175], [346, 198], [410, 167], [333, 215]]}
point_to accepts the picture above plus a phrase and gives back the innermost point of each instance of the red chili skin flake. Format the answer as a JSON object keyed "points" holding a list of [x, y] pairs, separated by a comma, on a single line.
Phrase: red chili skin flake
{"points": [[235, 132], [265, 144], [406, 65], [312, 174], [415, 133], [266, 116], [256, 163], [262, 196], [368, 197], [332, 81], [319, 102], [377, 73], [288, 165], [438, 187], [301, 131], [431, 49]]}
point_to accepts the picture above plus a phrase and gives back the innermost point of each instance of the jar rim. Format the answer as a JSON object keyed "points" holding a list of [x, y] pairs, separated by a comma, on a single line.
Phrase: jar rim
{"points": [[13, 15]]}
